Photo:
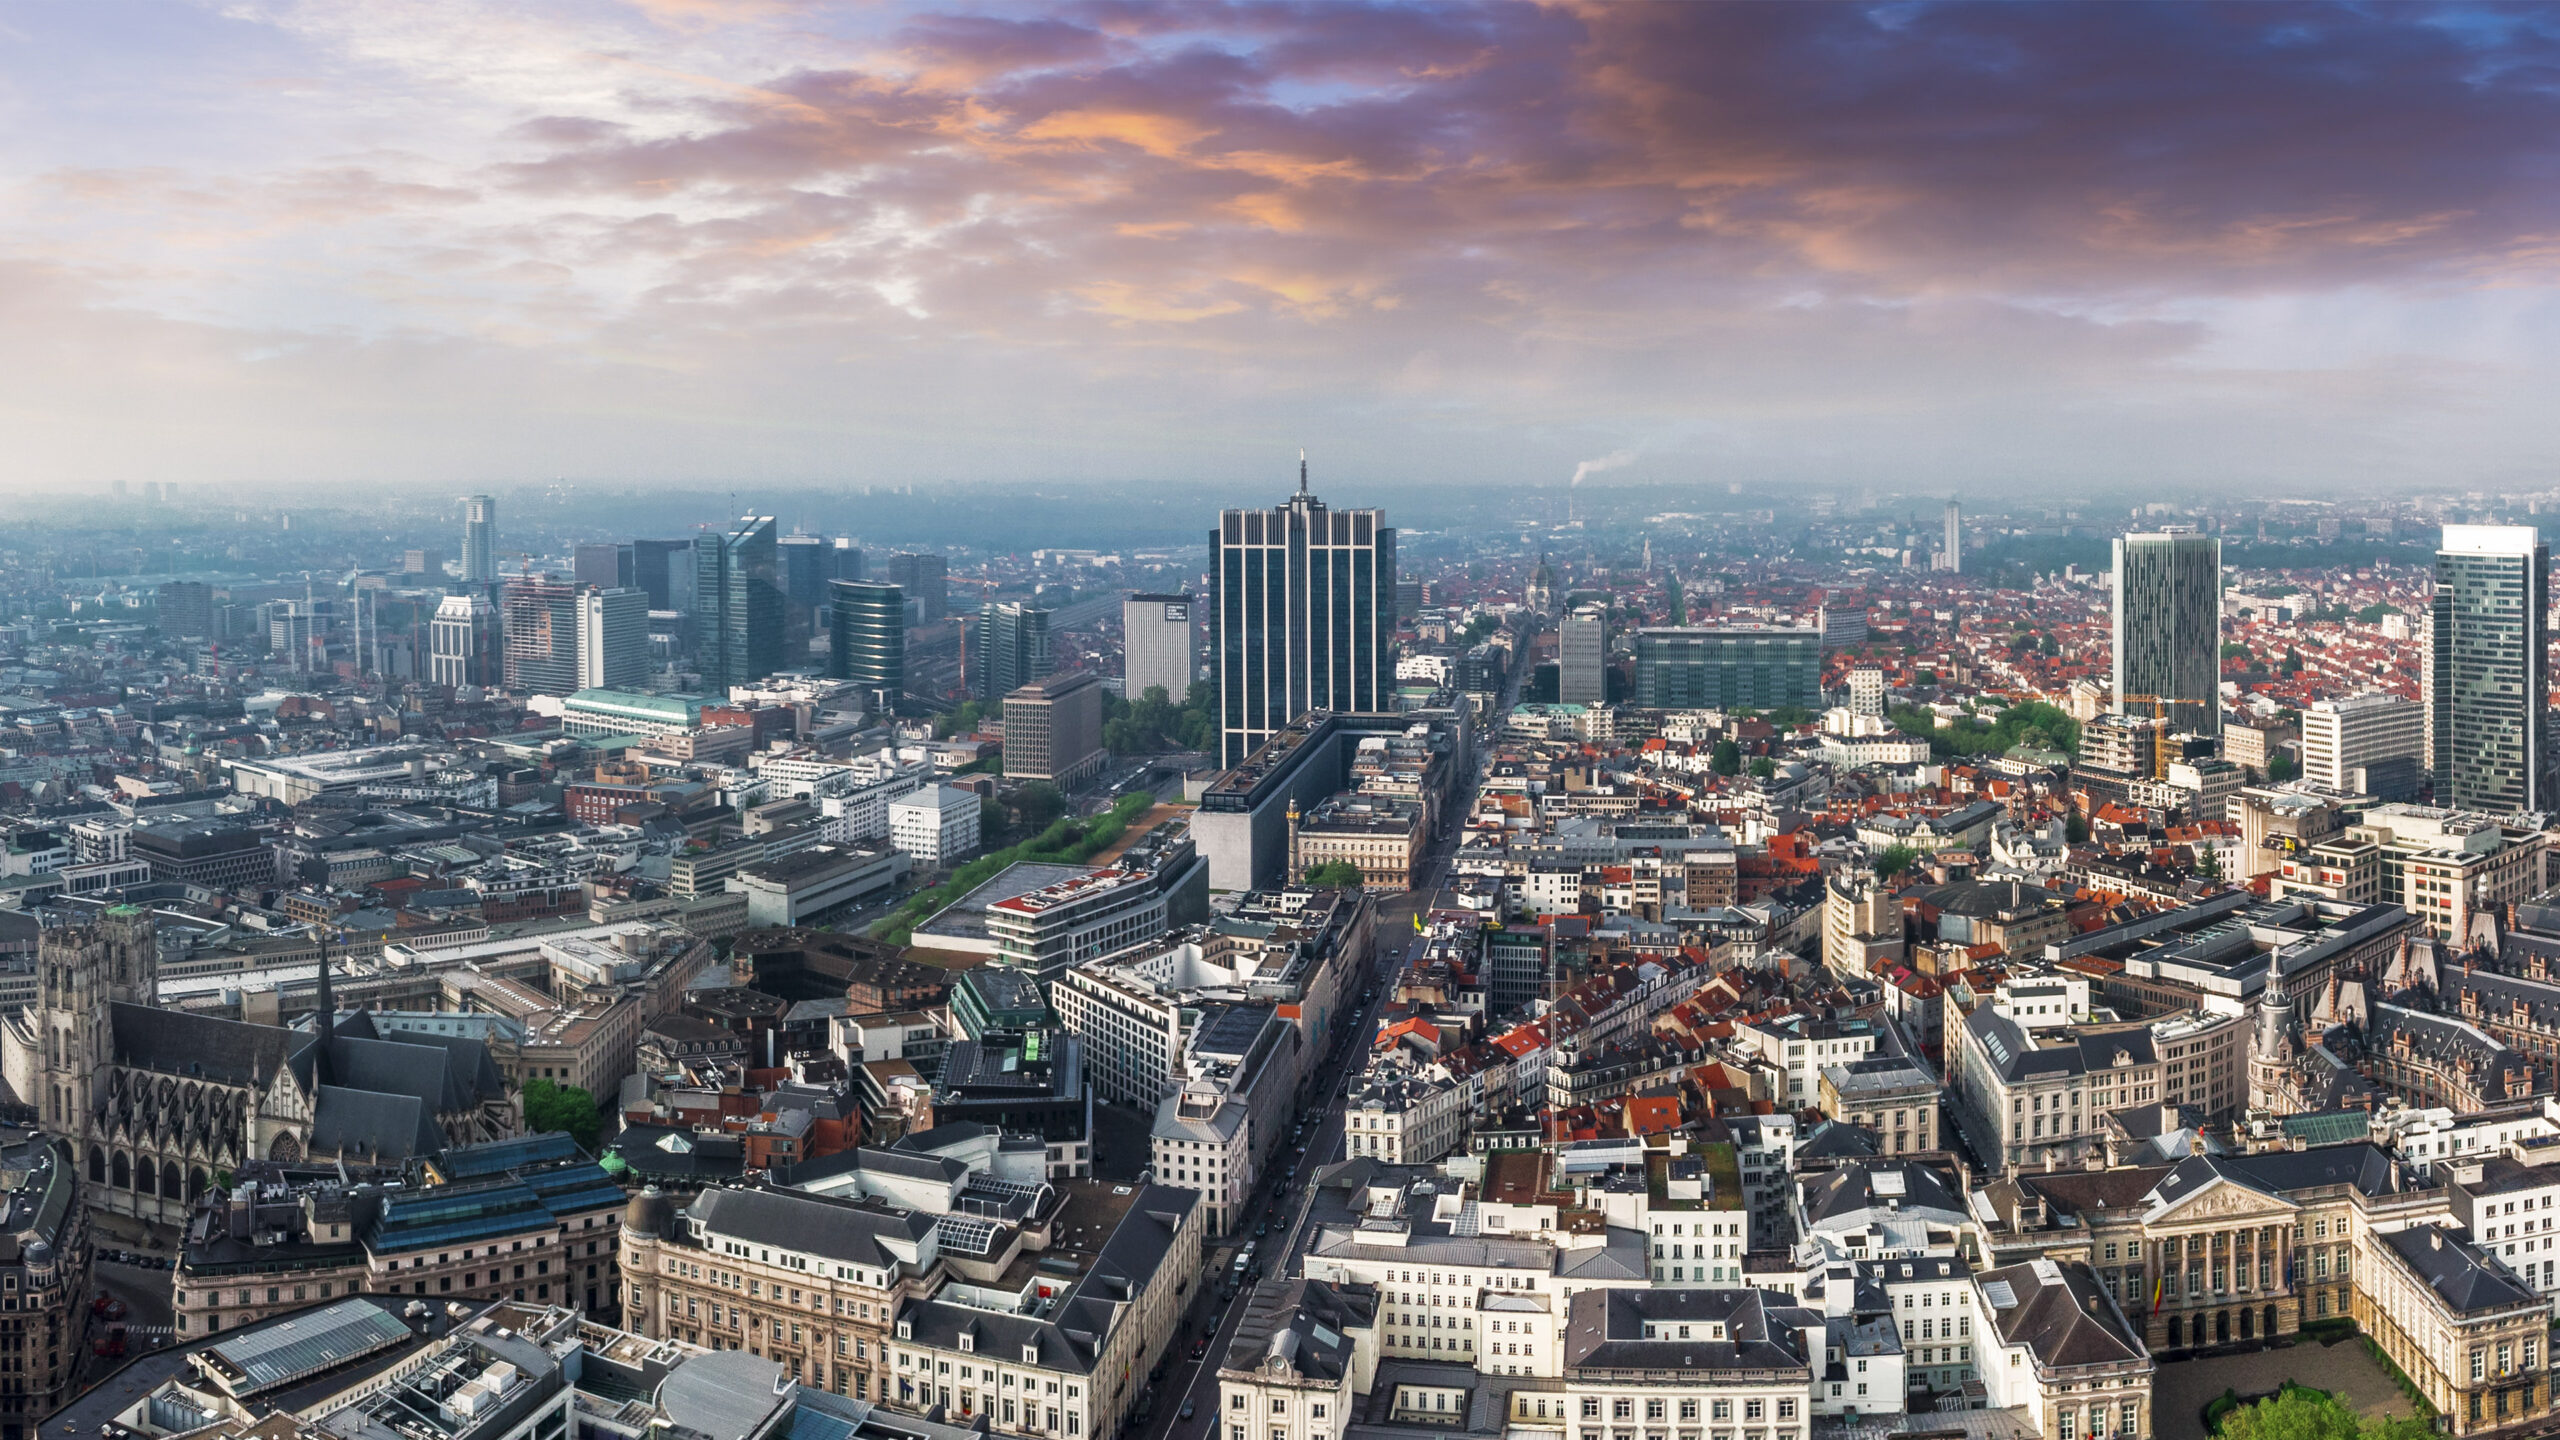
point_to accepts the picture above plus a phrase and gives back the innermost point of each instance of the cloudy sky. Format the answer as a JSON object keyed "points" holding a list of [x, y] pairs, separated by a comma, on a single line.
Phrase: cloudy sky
{"points": [[2021, 249]]}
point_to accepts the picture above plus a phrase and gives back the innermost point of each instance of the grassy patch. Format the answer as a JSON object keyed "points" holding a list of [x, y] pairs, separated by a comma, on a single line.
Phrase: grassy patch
{"points": [[1066, 841]]}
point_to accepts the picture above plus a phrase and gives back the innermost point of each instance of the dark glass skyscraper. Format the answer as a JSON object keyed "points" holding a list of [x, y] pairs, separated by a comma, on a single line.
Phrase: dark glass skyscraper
{"points": [[738, 604], [804, 560], [662, 568], [2168, 629], [868, 639], [2488, 678], [1303, 605], [1013, 649]]}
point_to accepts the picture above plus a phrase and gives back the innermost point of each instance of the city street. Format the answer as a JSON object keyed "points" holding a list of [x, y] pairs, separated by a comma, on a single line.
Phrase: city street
{"points": [[1193, 1382]]}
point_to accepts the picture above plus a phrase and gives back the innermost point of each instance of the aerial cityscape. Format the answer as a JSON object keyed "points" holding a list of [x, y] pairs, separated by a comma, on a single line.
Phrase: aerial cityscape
{"points": [[791, 721]]}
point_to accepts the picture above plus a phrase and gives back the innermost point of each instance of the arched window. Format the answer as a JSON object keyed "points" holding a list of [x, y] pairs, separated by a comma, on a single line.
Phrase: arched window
{"points": [[146, 1177], [2173, 1332], [120, 1171], [97, 1166], [196, 1181], [169, 1179]]}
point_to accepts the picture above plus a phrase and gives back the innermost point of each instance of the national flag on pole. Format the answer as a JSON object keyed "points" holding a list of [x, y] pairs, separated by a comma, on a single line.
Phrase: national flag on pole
{"points": [[2155, 1292]]}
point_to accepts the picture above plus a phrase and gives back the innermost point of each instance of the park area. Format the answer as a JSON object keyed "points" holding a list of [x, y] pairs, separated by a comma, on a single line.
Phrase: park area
{"points": [[2329, 1392]]}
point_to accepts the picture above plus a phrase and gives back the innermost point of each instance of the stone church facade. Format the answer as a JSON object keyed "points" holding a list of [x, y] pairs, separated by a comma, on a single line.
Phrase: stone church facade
{"points": [[159, 1103]]}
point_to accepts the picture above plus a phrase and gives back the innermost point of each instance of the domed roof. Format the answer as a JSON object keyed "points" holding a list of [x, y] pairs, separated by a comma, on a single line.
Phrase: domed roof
{"points": [[648, 1212]]}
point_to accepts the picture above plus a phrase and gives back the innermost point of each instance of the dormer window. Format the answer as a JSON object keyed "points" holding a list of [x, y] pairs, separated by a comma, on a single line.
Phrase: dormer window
{"points": [[1030, 1355], [968, 1343], [906, 1329]]}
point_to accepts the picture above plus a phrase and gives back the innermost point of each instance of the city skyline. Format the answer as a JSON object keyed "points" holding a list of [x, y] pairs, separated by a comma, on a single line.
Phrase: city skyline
{"points": [[1999, 248]]}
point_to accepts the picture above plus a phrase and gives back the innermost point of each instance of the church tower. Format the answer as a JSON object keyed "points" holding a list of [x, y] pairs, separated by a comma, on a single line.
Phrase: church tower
{"points": [[80, 971], [2274, 1046]]}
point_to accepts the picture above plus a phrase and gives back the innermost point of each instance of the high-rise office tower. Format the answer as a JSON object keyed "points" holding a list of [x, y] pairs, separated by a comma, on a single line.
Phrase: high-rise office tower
{"points": [[480, 539], [613, 638], [462, 642], [1156, 646], [926, 581], [1053, 728], [867, 639], [424, 561], [606, 567], [2168, 629], [844, 560], [1951, 548], [541, 618], [2362, 733], [663, 569], [186, 609], [2488, 669], [1582, 657], [1013, 649], [1302, 607], [804, 560], [738, 604]]}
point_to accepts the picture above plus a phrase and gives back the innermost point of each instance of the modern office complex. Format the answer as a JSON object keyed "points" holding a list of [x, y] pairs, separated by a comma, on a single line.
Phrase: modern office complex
{"points": [[1302, 610], [603, 566], [463, 642], [2488, 670], [480, 539], [1157, 646], [1951, 545], [926, 581], [663, 569], [868, 639], [803, 561], [2364, 741], [613, 638], [738, 605], [2168, 628], [1053, 728], [1582, 657], [541, 617], [1013, 649], [1759, 667]]}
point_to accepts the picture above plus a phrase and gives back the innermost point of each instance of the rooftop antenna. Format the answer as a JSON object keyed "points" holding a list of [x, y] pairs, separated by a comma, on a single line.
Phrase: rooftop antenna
{"points": [[1302, 469]]}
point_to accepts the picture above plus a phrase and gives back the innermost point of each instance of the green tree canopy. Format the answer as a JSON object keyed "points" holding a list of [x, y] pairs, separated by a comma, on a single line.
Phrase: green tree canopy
{"points": [[1153, 723], [2031, 723], [1895, 859], [1727, 759], [551, 1106], [1040, 803], [1335, 873], [2301, 1413], [1763, 767]]}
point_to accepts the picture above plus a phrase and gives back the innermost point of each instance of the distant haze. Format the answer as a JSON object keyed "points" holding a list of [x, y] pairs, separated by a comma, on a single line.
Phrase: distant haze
{"points": [[2008, 250]]}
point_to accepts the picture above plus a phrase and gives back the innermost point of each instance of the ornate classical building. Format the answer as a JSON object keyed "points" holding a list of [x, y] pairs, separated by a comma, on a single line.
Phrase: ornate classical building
{"points": [[158, 1102]]}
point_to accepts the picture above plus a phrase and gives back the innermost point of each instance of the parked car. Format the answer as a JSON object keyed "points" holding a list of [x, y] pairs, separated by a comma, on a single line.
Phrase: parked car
{"points": [[1199, 1347], [1186, 1409]]}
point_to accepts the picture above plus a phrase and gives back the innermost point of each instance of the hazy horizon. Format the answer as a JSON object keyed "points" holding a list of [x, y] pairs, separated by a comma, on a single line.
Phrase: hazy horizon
{"points": [[2014, 253]]}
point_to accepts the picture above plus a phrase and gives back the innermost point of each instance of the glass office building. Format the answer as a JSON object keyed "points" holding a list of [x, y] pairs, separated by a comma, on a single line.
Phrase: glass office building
{"points": [[1756, 667], [1303, 605], [738, 605], [2488, 669], [867, 639], [2168, 629], [1013, 649]]}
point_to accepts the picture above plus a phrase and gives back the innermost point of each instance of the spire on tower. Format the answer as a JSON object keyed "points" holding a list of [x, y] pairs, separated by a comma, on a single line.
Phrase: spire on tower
{"points": [[1302, 469]]}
